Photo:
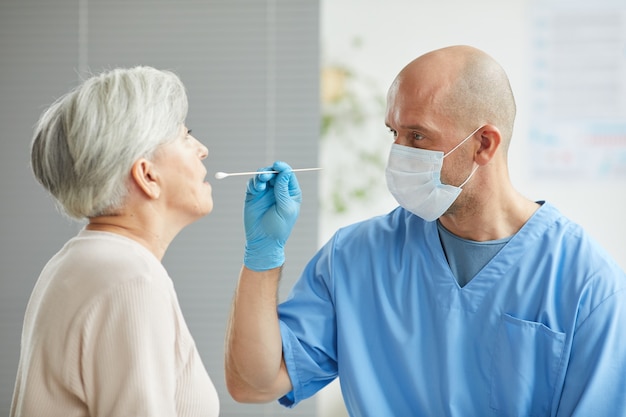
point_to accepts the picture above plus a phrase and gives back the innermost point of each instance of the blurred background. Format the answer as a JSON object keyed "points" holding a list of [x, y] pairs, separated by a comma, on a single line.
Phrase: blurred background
{"points": [[305, 81]]}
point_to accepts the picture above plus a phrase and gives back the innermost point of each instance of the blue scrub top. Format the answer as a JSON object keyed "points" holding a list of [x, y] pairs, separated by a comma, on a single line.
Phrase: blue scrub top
{"points": [[539, 331]]}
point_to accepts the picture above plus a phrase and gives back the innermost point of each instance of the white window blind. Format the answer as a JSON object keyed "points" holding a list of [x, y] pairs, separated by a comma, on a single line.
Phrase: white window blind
{"points": [[251, 68]]}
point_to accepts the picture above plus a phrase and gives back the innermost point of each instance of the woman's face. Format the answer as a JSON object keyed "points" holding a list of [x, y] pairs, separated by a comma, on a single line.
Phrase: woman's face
{"points": [[184, 190]]}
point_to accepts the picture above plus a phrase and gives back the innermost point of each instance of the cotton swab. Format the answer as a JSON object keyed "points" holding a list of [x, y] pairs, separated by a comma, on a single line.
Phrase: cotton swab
{"points": [[220, 175]]}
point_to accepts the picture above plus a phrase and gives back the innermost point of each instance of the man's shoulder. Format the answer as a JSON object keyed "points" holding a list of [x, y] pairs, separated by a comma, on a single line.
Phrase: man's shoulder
{"points": [[398, 226]]}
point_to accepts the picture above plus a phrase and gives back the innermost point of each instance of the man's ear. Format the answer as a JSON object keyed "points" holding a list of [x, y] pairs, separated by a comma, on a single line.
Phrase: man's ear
{"points": [[490, 139], [145, 177]]}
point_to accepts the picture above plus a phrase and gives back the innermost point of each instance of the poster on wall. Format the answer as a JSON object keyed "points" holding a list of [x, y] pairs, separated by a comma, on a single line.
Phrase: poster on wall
{"points": [[578, 89]]}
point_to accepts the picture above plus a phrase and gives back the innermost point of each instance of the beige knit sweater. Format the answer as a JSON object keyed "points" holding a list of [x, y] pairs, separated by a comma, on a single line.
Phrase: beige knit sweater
{"points": [[104, 336]]}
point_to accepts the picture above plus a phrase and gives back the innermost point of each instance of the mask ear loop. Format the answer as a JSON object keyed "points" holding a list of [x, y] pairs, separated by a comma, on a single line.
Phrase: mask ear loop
{"points": [[463, 141], [471, 174]]}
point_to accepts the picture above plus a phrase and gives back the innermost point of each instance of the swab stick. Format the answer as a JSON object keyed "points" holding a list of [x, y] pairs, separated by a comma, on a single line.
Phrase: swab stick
{"points": [[220, 175]]}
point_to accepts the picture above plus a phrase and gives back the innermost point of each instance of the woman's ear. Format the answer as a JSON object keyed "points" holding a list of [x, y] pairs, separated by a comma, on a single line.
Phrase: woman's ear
{"points": [[490, 139], [145, 177]]}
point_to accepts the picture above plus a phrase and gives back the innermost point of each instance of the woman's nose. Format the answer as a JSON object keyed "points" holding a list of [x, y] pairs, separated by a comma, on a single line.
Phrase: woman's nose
{"points": [[204, 151]]}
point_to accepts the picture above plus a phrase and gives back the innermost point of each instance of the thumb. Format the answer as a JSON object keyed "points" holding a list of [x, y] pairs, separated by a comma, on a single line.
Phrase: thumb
{"points": [[286, 190]]}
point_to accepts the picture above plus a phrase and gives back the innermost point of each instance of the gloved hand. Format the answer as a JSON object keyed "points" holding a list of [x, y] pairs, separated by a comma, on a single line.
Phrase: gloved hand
{"points": [[271, 208]]}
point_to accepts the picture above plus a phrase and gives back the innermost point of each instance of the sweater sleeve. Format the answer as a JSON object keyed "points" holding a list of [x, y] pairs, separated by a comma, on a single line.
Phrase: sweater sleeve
{"points": [[129, 352]]}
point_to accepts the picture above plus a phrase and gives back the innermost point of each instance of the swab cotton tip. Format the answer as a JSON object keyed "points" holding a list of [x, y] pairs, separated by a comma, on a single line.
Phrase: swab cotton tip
{"points": [[220, 175]]}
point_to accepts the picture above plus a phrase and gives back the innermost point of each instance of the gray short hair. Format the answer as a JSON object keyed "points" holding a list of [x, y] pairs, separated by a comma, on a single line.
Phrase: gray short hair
{"points": [[87, 141]]}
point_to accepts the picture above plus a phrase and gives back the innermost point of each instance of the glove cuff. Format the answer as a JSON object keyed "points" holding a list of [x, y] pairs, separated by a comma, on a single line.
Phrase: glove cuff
{"points": [[267, 259]]}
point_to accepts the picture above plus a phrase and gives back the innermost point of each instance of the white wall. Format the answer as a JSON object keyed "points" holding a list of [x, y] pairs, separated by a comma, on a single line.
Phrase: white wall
{"points": [[392, 33]]}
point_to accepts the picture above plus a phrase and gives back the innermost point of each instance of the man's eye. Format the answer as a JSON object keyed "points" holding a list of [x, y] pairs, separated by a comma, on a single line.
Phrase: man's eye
{"points": [[188, 132], [393, 132], [416, 136]]}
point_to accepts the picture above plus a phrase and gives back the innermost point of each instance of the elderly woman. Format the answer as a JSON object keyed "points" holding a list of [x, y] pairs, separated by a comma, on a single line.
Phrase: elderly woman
{"points": [[103, 332]]}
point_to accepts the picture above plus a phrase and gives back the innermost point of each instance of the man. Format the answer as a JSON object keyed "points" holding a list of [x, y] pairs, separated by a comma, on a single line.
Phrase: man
{"points": [[467, 300]]}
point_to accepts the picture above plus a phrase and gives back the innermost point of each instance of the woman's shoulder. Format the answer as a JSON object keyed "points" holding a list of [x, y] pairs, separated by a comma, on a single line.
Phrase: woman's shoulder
{"points": [[94, 262]]}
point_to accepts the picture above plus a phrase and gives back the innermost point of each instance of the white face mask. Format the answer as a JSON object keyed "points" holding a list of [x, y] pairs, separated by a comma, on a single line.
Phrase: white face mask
{"points": [[414, 179]]}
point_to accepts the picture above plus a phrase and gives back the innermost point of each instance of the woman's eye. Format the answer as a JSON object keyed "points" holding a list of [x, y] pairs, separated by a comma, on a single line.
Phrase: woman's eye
{"points": [[393, 132], [188, 132]]}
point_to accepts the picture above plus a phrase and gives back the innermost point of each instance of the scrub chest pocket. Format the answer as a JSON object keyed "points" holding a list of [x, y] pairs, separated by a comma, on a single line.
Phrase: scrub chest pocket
{"points": [[526, 362]]}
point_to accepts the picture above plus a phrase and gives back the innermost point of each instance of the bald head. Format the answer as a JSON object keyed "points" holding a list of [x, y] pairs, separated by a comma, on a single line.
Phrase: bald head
{"points": [[462, 84]]}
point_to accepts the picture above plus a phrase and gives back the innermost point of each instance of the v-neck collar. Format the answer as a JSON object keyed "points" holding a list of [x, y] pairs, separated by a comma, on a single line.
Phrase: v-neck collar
{"points": [[469, 297]]}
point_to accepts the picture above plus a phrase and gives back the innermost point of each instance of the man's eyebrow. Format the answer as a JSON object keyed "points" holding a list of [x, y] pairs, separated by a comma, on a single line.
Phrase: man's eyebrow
{"points": [[421, 128]]}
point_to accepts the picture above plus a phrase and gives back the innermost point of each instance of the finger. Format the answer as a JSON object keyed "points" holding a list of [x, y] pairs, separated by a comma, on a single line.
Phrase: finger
{"points": [[259, 182], [265, 177], [281, 166]]}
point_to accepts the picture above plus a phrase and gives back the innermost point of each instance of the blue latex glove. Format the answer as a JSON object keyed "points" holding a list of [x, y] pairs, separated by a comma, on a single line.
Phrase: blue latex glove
{"points": [[271, 208]]}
